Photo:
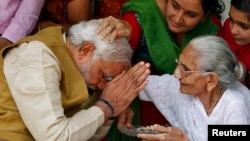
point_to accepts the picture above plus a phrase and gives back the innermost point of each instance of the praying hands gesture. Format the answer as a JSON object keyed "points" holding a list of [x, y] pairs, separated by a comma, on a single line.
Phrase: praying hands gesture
{"points": [[121, 90]]}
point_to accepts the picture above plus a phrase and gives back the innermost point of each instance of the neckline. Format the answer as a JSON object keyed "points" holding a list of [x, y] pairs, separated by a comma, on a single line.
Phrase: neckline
{"points": [[215, 102]]}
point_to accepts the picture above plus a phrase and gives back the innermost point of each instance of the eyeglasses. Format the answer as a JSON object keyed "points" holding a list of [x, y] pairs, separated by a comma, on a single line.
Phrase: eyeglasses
{"points": [[184, 72], [107, 78]]}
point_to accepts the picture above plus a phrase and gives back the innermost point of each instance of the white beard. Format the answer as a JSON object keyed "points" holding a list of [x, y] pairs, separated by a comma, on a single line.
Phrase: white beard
{"points": [[85, 69]]}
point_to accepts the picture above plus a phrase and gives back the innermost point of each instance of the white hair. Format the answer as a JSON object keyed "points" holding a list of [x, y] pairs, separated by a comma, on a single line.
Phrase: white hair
{"points": [[118, 51], [214, 55]]}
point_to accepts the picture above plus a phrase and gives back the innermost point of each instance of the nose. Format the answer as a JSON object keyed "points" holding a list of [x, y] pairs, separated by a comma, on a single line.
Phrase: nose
{"points": [[101, 85], [179, 17], [177, 73], [234, 29]]}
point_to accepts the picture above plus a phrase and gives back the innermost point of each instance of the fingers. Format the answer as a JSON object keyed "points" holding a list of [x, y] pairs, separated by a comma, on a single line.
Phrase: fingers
{"points": [[121, 121], [125, 118], [161, 129], [134, 80], [121, 91], [114, 27], [169, 130], [124, 33], [136, 77], [95, 20], [107, 26], [166, 134], [142, 70], [129, 117], [139, 66], [123, 29], [162, 137], [101, 30], [113, 35], [153, 137], [174, 131]]}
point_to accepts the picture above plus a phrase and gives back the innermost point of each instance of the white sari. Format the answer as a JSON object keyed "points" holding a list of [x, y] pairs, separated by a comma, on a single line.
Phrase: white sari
{"points": [[187, 112]]}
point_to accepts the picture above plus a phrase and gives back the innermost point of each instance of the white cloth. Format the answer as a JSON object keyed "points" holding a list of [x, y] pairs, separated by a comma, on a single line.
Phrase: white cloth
{"points": [[33, 75], [187, 112]]}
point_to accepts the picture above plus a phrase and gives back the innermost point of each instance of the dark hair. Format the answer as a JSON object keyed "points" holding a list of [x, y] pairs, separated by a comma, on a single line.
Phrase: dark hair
{"points": [[242, 5], [214, 6]]}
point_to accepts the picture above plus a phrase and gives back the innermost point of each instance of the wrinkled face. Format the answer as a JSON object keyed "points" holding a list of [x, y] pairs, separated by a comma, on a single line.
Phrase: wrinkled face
{"points": [[192, 81], [97, 72], [183, 15], [239, 26]]}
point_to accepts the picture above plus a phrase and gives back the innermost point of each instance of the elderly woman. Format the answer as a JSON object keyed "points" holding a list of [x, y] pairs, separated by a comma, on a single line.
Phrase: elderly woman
{"points": [[204, 89]]}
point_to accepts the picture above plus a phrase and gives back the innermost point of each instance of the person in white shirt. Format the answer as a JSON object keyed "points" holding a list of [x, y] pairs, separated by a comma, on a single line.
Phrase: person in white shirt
{"points": [[44, 81]]}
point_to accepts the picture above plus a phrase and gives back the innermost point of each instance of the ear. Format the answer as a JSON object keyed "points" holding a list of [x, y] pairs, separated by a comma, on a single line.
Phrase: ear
{"points": [[86, 49], [212, 81]]}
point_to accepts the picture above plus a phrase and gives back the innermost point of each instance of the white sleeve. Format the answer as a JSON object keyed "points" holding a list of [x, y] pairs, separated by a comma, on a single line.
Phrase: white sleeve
{"points": [[33, 75], [159, 88]]}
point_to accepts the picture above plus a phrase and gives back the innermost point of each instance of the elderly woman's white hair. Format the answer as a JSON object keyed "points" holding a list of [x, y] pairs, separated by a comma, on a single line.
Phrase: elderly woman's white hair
{"points": [[214, 55], [119, 50]]}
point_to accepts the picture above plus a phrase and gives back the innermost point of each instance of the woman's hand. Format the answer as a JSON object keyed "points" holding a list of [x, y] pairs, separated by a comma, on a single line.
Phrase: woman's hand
{"points": [[4, 42], [166, 134], [114, 27]]}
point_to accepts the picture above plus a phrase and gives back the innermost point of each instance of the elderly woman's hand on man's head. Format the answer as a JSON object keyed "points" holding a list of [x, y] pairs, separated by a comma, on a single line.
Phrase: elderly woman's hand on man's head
{"points": [[113, 27]]}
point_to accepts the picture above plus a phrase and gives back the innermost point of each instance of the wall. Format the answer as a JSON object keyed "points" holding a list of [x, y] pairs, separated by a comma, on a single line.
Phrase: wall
{"points": [[225, 13]]}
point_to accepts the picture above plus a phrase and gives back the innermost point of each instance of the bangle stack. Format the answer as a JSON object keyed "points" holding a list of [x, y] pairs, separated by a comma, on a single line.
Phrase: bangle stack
{"points": [[110, 107]]}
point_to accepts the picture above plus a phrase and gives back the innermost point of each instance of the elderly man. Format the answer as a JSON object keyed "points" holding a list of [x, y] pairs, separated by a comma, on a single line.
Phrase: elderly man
{"points": [[44, 84]]}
